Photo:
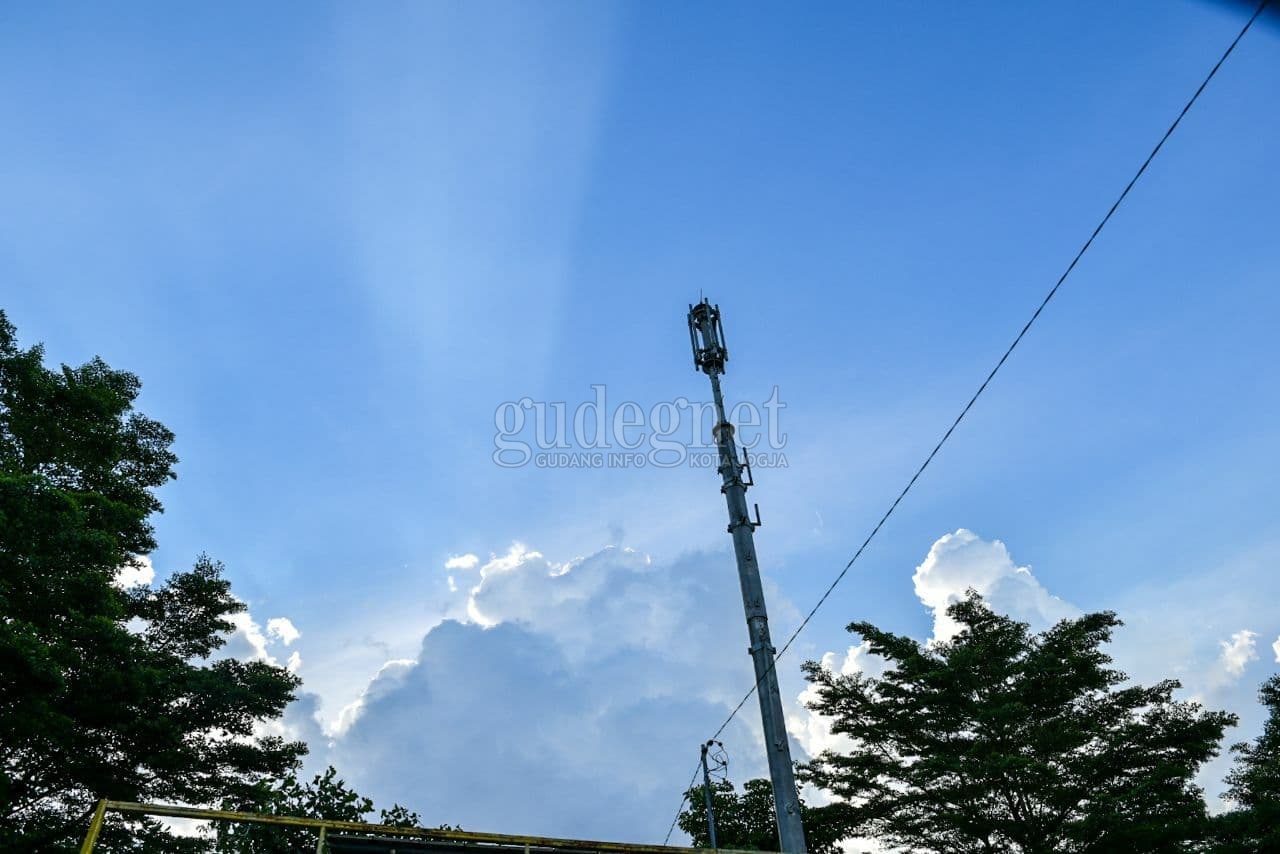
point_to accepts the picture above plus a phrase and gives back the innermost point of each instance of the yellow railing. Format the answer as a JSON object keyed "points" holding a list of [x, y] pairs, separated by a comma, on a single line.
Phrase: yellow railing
{"points": [[323, 827]]}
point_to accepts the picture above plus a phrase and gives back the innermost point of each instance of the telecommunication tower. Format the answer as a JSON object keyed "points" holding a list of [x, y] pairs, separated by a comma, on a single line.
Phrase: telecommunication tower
{"points": [[709, 356]]}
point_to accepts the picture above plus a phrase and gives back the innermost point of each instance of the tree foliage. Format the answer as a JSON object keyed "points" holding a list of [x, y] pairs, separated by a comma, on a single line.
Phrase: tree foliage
{"points": [[1253, 827], [107, 692], [1001, 740], [327, 796], [747, 822]]}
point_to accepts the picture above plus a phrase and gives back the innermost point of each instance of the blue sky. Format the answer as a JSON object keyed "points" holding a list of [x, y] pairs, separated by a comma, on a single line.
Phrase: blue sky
{"points": [[334, 240]]}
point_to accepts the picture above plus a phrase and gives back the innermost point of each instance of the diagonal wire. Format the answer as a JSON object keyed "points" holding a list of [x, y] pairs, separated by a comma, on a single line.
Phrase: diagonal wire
{"points": [[683, 797], [986, 382]]}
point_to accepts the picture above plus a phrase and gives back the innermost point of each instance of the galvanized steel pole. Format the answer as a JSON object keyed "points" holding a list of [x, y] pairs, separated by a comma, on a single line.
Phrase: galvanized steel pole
{"points": [[706, 791], [709, 356]]}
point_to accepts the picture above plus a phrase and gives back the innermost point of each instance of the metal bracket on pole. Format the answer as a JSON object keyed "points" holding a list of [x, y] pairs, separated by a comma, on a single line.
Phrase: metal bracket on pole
{"points": [[747, 521]]}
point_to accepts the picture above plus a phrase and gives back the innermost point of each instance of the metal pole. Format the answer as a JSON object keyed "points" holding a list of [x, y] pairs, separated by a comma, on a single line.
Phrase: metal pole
{"points": [[710, 355], [706, 790], [95, 827]]}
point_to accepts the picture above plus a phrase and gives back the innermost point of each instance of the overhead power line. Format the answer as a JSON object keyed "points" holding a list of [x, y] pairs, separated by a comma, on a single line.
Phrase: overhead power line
{"points": [[983, 387]]}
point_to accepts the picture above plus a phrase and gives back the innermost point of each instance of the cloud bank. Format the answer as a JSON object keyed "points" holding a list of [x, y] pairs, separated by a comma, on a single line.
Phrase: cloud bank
{"points": [[561, 699], [569, 698]]}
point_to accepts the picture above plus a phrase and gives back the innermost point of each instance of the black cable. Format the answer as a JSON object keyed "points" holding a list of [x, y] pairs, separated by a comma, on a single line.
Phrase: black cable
{"points": [[983, 387]]}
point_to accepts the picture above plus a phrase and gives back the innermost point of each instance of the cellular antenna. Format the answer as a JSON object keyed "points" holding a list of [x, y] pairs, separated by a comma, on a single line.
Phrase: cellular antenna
{"points": [[710, 354]]}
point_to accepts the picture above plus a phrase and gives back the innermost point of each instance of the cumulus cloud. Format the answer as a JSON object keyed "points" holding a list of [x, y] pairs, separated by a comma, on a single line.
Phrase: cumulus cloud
{"points": [[137, 571], [592, 606], [812, 730], [954, 564], [1176, 628], [283, 630], [1154, 643], [592, 680], [249, 641], [1239, 651], [546, 692], [857, 659], [389, 677], [584, 684], [1209, 682], [960, 561]]}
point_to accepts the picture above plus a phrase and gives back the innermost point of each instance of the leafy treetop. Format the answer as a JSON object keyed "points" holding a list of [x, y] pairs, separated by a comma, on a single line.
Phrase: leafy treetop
{"points": [[1004, 740], [107, 692]]}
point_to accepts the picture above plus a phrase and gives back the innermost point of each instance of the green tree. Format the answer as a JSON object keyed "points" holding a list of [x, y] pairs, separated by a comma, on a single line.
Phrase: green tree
{"points": [[327, 796], [1001, 740], [1253, 827], [746, 821], [106, 692]]}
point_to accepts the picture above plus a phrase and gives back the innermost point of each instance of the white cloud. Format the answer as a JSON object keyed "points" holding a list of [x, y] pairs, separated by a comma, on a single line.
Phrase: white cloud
{"points": [[857, 659], [137, 571], [959, 561], [522, 690], [812, 730], [389, 677], [591, 681], [1154, 644], [955, 564], [581, 683], [248, 641], [1239, 651], [467, 561], [283, 630]]}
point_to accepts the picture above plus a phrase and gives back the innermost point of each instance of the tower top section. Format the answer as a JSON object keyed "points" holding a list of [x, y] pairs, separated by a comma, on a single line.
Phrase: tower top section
{"points": [[706, 336]]}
